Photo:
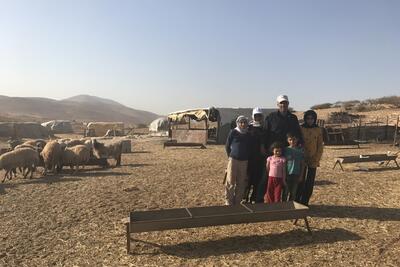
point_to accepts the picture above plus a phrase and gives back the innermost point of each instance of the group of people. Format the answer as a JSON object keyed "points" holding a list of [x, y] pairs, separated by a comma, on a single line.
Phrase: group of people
{"points": [[273, 159]]}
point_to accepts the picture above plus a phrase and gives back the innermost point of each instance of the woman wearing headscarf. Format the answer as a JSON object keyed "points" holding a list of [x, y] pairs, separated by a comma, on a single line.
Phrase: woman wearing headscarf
{"points": [[313, 149], [237, 149], [256, 165]]}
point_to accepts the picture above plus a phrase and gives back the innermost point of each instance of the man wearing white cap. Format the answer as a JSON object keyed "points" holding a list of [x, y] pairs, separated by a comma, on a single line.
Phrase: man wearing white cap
{"points": [[281, 122]]}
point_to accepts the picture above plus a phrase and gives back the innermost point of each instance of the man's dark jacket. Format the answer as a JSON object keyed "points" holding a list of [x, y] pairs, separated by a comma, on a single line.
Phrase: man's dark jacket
{"points": [[278, 126]]}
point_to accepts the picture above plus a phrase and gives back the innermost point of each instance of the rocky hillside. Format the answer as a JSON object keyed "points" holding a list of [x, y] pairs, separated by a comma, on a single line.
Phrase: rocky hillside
{"points": [[79, 108]]}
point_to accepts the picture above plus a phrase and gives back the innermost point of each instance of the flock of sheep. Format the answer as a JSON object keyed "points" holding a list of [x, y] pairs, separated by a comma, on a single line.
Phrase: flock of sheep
{"points": [[54, 154]]}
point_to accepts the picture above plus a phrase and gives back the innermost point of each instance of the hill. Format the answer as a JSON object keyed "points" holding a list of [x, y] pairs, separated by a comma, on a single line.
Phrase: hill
{"points": [[379, 110], [79, 108]]}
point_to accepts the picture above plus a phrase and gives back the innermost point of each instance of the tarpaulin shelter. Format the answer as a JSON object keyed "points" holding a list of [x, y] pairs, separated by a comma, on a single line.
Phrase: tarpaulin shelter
{"points": [[59, 126], [159, 125], [101, 128]]}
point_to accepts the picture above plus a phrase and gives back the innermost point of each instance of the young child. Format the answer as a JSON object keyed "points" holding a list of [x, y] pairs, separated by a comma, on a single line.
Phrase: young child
{"points": [[313, 149], [276, 171], [237, 149], [295, 167]]}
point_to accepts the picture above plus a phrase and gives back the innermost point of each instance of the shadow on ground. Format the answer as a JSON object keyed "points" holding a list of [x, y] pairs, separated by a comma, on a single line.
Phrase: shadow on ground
{"points": [[349, 147], [375, 169], [140, 152], [4, 186], [59, 178], [136, 165], [41, 180], [245, 244], [363, 213]]}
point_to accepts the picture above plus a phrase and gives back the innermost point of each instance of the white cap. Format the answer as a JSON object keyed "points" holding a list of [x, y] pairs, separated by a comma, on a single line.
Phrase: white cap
{"points": [[257, 111], [282, 98]]}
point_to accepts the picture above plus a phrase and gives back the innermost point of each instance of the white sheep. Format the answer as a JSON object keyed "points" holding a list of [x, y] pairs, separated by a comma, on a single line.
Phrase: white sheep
{"points": [[24, 158], [39, 143], [75, 156], [25, 146], [75, 142], [51, 156]]}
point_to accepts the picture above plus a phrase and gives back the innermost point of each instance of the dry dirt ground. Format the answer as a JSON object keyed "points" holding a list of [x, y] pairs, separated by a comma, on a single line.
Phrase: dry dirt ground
{"points": [[75, 220]]}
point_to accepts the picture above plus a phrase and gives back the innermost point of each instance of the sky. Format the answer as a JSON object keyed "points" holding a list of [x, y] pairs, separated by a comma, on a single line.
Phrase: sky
{"points": [[168, 55]]}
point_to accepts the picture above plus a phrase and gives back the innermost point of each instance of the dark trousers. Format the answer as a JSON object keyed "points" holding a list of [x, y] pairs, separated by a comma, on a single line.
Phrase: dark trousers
{"points": [[306, 187], [256, 170], [290, 190]]}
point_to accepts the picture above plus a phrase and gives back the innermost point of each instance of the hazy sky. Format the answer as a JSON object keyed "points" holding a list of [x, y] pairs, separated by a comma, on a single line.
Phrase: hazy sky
{"points": [[166, 55]]}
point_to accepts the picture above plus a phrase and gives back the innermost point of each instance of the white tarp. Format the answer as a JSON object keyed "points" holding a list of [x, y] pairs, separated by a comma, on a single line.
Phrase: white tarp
{"points": [[159, 125], [58, 126]]}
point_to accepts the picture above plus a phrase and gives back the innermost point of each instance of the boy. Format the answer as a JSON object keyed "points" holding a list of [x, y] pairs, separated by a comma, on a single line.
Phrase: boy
{"points": [[313, 149], [295, 167]]}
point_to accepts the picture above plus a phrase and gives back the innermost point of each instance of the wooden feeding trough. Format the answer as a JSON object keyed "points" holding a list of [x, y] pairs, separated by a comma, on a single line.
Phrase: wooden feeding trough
{"points": [[187, 144], [366, 158], [160, 220]]}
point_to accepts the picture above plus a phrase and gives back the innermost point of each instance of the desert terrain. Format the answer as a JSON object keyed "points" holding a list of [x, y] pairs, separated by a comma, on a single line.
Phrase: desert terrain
{"points": [[75, 220]]}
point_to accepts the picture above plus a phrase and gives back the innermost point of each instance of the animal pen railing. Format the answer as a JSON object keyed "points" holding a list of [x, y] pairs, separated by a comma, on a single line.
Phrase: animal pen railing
{"points": [[381, 129]]}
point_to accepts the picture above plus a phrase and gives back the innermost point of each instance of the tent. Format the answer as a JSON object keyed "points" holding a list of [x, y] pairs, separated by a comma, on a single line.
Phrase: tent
{"points": [[219, 121], [23, 130], [159, 126], [59, 126]]}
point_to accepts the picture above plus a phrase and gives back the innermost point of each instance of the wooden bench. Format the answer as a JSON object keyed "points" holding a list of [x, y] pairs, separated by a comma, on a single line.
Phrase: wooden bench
{"points": [[159, 220], [365, 158]]}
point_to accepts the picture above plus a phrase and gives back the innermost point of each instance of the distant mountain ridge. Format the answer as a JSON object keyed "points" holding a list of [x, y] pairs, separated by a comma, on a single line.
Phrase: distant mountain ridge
{"points": [[79, 108]]}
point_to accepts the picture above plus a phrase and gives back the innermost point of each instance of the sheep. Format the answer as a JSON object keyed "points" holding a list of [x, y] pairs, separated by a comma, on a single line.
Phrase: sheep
{"points": [[75, 142], [14, 142], [113, 150], [19, 158], [37, 149], [40, 143], [51, 156], [75, 156], [25, 146]]}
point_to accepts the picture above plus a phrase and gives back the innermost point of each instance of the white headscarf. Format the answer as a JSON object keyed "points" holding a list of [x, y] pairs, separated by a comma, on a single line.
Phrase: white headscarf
{"points": [[255, 123], [238, 120]]}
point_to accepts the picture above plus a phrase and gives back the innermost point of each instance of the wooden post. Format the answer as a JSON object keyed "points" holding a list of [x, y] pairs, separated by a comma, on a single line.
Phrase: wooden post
{"points": [[359, 130], [128, 238], [307, 225], [395, 131], [387, 128]]}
